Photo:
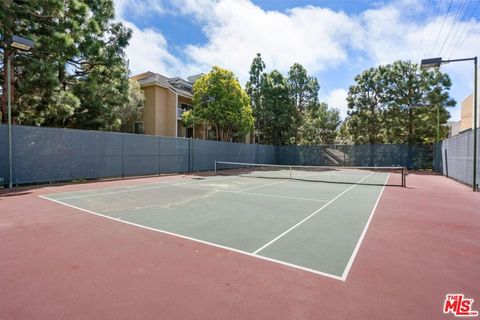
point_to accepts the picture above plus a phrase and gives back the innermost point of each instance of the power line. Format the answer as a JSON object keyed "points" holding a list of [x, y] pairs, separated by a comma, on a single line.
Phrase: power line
{"points": [[422, 40], [460, 40], [443, 23], [454, 24], [454, 38], [435, 16]]}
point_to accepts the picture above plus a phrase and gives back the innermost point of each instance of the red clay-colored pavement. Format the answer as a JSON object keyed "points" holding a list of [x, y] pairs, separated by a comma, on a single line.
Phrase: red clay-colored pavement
{"points": [[59, 263]]}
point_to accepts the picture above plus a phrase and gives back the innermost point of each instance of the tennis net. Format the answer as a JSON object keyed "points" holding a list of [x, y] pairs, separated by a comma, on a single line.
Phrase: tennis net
{"points": [[390, 176]]}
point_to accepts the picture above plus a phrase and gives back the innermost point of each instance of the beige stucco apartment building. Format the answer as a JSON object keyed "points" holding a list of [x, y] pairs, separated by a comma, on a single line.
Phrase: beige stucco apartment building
{"points": [[467, 113], [165, 101]]}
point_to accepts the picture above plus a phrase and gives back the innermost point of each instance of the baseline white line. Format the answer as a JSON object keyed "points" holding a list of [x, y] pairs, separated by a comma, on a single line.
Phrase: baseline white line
{"points": [[200, 241], [132, 186], [360, 240], [254, 194], [307, 218], [162, 186]]}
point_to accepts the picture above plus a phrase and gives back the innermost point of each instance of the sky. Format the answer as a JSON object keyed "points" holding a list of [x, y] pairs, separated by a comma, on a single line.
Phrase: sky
{"points": [[333, 40]]}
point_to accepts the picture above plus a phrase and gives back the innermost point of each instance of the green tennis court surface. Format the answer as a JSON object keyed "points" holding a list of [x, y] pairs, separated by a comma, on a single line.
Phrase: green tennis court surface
{"points": [[314, 226]]}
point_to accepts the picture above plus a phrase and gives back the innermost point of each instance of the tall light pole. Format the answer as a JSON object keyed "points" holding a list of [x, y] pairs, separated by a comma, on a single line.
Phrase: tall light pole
{"points": [[14, 43], [436, 62]]}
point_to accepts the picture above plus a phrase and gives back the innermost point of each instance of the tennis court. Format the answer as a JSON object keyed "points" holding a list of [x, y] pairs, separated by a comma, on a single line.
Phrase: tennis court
{"points": [[279, 216], [234, 247]]}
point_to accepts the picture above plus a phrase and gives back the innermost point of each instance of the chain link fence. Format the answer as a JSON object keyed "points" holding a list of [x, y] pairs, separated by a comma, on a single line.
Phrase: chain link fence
{"points": [[42, 154]]}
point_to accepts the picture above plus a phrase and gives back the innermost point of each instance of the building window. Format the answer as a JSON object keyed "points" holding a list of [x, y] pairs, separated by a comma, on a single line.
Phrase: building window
{"points": [[138, 127]]}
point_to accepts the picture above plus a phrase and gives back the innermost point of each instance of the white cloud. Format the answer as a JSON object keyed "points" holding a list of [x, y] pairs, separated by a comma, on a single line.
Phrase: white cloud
{"points": [[148, 51], [337, 98], [321, 39], [237, 30]]}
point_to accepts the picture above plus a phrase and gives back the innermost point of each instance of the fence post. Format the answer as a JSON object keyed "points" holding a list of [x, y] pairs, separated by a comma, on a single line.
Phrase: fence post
{"points": [[123, 156], [446, 163], [189, 155], [159, 145]]}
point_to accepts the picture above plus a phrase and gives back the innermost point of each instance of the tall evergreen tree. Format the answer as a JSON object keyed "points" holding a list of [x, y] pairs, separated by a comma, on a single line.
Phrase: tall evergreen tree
{"points": [[76, 74], [398, 103], [253, 89], [365, 106], [278, 110], [412, 97], [303, 93]]}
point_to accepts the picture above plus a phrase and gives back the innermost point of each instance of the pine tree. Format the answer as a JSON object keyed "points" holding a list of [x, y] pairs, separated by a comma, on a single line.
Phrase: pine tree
{"points": [[76, 74], [253, 89], [397, 103], [278, 110], [303, 91]]}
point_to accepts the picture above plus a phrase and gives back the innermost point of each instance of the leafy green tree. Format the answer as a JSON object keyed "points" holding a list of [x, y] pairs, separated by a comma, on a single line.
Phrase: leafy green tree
{"points": [[219, 99], [253, 89], [278, 110], [320, 125], [303, 91], [76, 74], [132, 110]]}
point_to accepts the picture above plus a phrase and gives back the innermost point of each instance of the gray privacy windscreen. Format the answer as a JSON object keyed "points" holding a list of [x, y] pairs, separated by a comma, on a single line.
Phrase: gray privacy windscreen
{"points": [[42, 154], [455, 157]]}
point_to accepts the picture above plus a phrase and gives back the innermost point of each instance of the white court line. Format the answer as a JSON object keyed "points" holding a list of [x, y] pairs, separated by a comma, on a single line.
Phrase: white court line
{"points": [[254, 194], [162, 186], [132, 186], [201, 241], [359, 242], [307, 218]]}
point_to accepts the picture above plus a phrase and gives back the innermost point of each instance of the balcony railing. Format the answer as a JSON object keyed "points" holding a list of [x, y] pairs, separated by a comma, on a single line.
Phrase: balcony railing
{"points": [[180, 112]]}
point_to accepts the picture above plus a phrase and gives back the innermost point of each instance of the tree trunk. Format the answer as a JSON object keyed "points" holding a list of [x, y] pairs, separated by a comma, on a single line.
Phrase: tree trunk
{"points": [[410, 125]]}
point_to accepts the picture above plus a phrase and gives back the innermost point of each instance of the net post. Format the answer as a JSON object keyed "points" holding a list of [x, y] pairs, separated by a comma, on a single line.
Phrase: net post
{"points": [[290, 171], [215, 167]]}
